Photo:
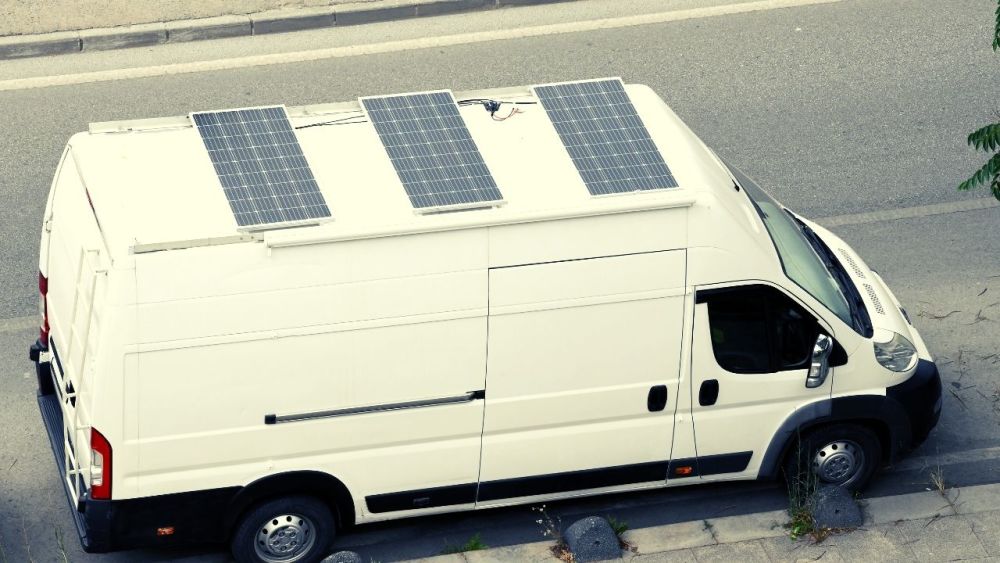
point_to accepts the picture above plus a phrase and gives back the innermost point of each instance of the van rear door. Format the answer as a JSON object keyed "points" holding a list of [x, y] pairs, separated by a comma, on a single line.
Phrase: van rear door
{"points": [[75, 262]]}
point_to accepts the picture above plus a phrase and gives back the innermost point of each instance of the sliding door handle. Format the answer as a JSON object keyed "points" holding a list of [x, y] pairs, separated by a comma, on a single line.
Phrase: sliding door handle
{"points": [[657, 398]]}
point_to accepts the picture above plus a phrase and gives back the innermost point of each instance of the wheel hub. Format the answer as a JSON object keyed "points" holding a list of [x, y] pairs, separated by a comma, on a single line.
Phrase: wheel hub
{"points": [[838, 462], [284, 538]]}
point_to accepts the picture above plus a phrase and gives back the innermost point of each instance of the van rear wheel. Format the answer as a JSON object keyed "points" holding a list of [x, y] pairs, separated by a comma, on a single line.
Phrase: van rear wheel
{"points": [[294, 529], [840, 454]]}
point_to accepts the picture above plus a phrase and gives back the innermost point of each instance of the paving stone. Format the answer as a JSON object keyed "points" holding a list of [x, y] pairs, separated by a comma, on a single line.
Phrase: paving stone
{"points": [[749, 527], [873, 545], [592, 539], [986, 526], [939, 539], [744, 552], [786, 549], [670, 537], [981, 498], [528, 553], [677, 556], [886, 510]]}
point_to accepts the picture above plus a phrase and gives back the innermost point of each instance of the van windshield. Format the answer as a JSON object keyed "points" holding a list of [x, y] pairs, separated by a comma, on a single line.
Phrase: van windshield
{"points": [[798, 257]]}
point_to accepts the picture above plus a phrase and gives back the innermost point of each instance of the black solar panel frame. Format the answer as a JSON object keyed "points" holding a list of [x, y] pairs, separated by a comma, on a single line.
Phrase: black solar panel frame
{"points": [[261, 167], [432, 151], [604, 136]]}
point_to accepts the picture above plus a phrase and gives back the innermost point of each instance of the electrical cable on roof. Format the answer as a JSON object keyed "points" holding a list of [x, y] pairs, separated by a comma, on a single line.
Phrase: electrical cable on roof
{"points": [[513, 112], [492, 106]]}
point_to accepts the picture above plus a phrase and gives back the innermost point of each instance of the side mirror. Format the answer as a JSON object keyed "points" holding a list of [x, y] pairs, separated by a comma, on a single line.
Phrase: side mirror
{"points": [[820, 366]]}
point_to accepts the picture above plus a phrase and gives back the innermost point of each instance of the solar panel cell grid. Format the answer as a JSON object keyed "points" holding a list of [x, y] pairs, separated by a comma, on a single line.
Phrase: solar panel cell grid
{"points": [[431, 149], [261, 167], [604, 136]]}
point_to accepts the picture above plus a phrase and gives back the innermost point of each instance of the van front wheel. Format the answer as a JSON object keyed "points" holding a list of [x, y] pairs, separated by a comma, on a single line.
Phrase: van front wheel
{"points": [[294, 529], [840, 454]]}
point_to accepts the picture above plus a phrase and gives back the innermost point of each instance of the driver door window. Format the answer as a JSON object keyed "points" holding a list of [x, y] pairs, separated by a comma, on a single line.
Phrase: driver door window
{"points": [[758, 329]]}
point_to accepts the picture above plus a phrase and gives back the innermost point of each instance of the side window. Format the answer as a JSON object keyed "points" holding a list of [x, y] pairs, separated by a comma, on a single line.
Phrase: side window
{"points": [[758, 329]]}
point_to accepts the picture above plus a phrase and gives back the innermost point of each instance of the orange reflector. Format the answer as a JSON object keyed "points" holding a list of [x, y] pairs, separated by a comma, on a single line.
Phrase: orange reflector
{"points": [[684, 470], [168, 531]]}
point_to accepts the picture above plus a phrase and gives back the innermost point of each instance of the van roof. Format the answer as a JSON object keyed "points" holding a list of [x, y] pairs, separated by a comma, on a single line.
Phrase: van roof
{"points": [[153, 186]]}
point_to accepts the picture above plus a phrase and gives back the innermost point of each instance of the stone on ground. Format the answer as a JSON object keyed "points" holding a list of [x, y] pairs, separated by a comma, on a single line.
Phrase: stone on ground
{"points": [[836, 508], [343, 557], [592, 539]]}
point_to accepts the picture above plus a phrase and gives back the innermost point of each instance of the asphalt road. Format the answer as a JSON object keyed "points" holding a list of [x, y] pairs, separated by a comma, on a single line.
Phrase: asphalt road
{"points": [[838, 108]]}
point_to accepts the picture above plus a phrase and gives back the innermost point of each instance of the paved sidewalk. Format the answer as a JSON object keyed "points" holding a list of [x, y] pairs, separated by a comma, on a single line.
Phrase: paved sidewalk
{"points": [[121, 25], [962, 524]]}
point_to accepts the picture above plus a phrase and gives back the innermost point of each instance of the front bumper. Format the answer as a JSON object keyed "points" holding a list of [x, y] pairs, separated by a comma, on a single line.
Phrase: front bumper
{"points": [[920, 398]]}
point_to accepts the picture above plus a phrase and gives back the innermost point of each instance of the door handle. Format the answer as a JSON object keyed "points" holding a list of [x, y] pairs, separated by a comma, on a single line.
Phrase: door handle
{"points": [[709, 392], [657, 398]]}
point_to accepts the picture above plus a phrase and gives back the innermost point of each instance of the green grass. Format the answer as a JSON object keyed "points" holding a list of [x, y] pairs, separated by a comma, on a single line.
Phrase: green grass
{"points": [[475, 543]]}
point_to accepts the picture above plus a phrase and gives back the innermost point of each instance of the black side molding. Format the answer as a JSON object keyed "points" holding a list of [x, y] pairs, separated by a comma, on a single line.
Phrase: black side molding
{"points": [[519, 487], [468, 397], [422, 498], [709, 465]]}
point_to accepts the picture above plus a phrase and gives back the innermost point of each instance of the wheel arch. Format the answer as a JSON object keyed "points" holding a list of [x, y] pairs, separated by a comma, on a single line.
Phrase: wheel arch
{"points": [[878, 413], [323, 486]]}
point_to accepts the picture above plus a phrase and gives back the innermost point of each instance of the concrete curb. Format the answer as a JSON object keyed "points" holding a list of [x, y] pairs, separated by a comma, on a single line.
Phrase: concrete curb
{"points": [[274, 21], [731, 530]]}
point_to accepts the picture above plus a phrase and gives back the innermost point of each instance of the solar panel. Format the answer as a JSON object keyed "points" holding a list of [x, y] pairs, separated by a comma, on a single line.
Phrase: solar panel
{"points": [[605, 137], [432, 150], [260, 165]]}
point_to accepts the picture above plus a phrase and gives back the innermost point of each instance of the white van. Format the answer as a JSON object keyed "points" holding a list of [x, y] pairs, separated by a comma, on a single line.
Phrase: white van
{"points": [[211, 375]]}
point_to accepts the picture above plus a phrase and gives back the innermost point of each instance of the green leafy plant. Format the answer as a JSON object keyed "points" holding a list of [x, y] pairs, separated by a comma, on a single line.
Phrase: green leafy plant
{"points": [[475, 543], [987, 139]]}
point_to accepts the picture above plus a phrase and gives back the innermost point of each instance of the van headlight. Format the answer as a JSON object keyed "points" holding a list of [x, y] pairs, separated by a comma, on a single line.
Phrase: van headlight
{"points": [[894, 351]]}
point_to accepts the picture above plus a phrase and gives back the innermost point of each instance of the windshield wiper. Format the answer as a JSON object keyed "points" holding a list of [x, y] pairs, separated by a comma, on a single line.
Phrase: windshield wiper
{"points": [[833, 265]]}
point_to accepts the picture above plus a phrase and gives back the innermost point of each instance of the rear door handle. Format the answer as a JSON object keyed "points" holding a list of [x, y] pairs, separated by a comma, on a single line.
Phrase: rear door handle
{"points": [[709, 392], [657, 398]]}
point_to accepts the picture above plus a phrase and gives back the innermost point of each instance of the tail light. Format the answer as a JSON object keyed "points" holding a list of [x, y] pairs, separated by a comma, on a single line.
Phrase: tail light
{"points": [[43, 304], [100, 466]]}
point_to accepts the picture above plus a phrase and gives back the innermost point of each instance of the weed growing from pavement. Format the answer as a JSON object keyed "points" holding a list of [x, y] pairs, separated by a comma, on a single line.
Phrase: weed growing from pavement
{"points": [[475, 543], [620, 527], [802, 502], [552, 529]]}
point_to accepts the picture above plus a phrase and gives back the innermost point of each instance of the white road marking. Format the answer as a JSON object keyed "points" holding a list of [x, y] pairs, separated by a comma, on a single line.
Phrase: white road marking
{"points": [[909, 212], [930, 462], [403, 45]]}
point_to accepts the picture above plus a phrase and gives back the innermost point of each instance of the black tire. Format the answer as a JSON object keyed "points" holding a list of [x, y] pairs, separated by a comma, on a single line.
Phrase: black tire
{"points": [[827, 452], [290, 522]]}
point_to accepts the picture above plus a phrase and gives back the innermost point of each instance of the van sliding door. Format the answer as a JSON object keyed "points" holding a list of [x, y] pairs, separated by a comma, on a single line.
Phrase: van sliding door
{"points": [[582, 374]]}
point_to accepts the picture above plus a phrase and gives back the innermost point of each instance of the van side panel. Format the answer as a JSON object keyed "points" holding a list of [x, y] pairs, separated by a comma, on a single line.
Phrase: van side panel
{"points": [[575, 349], [370, 323]]}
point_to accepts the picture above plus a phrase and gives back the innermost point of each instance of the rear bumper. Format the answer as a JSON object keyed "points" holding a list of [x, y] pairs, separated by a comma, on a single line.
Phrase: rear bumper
{"points": [[89, 516], [197, 517]]}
